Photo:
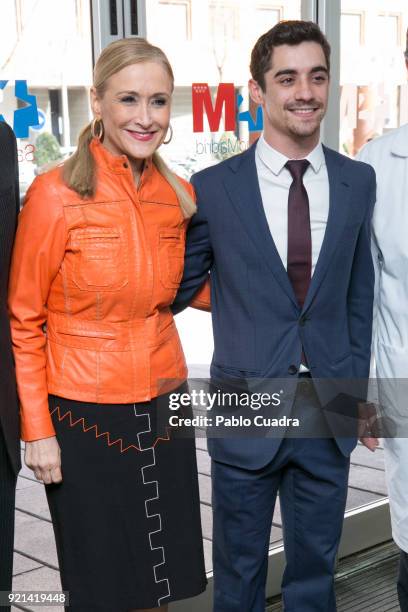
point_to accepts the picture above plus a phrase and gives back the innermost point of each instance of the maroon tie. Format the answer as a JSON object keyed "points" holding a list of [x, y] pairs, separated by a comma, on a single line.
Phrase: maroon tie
{"points": [[299, 264]]}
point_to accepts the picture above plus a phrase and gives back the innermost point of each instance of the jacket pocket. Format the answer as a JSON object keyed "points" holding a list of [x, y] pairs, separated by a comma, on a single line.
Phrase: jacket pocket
{"points": [[345, 356], [171, 257], [218, 368], [100, 258]]}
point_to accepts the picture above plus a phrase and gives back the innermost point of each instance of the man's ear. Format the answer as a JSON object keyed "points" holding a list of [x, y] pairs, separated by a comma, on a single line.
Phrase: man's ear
{"points": [[95, 103], [255, 91]]}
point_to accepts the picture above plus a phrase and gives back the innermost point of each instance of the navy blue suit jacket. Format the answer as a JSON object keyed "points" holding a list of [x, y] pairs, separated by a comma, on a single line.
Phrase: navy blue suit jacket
{"points": [[259, 328]]}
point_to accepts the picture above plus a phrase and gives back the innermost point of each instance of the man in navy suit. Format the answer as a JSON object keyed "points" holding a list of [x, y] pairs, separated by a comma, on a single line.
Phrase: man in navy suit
{"points": [[284, 229]]}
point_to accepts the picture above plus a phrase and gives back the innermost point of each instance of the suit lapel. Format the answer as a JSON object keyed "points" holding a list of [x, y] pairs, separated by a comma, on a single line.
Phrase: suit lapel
{"points": [[339, 208], [243, 188]]}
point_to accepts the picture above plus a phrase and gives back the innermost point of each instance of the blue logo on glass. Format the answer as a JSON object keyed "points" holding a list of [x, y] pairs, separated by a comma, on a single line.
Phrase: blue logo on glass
{"points": [[24, 117]]}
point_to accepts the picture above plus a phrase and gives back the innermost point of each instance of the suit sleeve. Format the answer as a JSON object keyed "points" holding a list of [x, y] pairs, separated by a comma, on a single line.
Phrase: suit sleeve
{"points": [[202, 299], [38, 252], [361, 291], [16, 179], [12, 150], [197, 263]]}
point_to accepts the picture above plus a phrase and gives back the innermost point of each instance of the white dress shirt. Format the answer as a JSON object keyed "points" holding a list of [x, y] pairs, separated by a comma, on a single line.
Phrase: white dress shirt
{"points": [[275, 181]]}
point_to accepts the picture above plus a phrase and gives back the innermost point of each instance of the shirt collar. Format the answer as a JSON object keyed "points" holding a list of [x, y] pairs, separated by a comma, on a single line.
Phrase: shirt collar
{"points": [[276, 161], [316, 158]]}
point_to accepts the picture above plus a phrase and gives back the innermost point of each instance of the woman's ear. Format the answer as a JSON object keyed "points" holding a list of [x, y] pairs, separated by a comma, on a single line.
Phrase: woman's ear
{"points": [[95, 103]]}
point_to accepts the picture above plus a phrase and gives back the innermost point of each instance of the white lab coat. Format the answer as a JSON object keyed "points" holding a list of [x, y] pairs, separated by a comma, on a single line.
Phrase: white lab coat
{"points": [[389, 157]]}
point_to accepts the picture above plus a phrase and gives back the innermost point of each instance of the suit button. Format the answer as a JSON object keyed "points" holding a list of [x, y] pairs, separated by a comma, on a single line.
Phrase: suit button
{"points": [[292, 369], [302, 320]]}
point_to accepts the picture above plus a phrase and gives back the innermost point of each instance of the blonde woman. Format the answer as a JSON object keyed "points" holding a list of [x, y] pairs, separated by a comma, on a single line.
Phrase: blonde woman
{"points": [[97, 262]]}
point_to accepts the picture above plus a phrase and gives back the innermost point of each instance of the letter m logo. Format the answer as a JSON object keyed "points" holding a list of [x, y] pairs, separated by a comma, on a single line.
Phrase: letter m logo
{"points": [[224, 100]]}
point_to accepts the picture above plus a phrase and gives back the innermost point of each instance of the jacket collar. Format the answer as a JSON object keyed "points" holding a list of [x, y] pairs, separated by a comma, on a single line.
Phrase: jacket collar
{"points": [[118, 164], [399, 145]]}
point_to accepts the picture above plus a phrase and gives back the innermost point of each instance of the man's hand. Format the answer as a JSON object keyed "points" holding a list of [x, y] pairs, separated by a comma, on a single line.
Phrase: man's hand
{"points": [[370, 443], [44, 458], [368, 426]]}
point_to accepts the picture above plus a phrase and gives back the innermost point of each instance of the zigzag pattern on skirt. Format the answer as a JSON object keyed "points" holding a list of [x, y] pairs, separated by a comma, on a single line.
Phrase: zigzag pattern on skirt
{"points": [[106, 434]]}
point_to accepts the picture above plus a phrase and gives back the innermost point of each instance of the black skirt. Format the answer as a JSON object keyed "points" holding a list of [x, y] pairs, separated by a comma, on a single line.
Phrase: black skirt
{"points": [[127, 514]]}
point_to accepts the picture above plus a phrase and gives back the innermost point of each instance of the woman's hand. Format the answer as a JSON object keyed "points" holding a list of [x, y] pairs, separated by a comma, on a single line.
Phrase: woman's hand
{"points": [[44, 458]]}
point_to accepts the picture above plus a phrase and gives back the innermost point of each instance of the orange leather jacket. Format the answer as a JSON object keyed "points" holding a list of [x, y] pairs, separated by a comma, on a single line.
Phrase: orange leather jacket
{"points": [[90, 288]]}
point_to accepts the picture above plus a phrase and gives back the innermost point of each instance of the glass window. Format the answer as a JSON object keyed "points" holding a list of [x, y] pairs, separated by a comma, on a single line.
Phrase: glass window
{"points": [[45, 72], [390, 27], [373, 73], [223, 22], [352, 31], [178, 13], [266, 17]]}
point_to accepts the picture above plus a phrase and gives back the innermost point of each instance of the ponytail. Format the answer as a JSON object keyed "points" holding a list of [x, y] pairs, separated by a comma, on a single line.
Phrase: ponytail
{"points": [[79, 169], [186, 202]]}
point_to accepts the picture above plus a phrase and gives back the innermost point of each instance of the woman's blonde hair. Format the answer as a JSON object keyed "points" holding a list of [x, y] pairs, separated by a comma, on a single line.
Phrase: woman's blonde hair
{"points": [[79, 169]]}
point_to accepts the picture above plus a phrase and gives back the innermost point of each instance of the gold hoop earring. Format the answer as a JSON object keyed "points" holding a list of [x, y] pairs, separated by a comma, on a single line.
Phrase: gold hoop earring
{"points": [[171, 135], [97, 128]]}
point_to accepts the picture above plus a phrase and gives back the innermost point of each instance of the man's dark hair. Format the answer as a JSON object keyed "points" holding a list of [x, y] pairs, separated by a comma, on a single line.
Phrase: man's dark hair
{"points": [[284, 33], [406, 47]]}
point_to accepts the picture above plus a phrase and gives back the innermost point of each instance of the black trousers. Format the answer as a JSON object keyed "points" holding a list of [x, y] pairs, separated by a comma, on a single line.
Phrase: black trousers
{"points": [[402, 584], [7, 500]]}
